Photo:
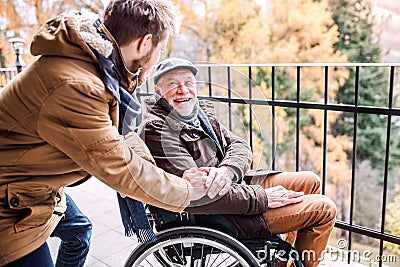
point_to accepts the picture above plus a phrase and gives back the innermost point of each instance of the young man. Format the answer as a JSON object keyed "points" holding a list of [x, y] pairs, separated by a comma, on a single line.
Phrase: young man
{"points": [[59, 122], [182, 132]]}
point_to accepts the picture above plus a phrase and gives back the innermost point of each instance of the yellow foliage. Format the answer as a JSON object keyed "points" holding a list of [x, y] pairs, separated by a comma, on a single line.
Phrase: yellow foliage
{"points": [[281, 124], [308, 25], [304, 31], [392, 221], [23, 18], [259, 159]]}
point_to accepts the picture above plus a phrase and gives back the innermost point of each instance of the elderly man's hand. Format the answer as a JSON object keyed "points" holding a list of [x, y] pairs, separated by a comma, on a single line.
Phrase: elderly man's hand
{"points": [[219, 180], [278, 196], [197, 179]]}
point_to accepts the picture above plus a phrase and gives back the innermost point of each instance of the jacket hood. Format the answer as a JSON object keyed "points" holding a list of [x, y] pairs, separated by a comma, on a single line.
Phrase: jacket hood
{"points": [[68, 34]]}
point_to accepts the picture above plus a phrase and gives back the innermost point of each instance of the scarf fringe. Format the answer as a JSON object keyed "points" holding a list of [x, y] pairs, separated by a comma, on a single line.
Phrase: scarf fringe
{"points": [[146, 236], [143, 235], [129, 232]]}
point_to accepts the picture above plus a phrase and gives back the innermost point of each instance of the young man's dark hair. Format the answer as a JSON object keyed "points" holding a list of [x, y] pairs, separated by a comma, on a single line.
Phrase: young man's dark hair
{"points": [[129, 20]]}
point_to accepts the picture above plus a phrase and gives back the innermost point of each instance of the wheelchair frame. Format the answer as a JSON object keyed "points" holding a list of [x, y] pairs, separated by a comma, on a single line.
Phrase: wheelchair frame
{"points": [[190, 245]]}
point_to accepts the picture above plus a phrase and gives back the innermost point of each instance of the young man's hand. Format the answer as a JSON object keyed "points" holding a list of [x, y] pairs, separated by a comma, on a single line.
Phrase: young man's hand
{"points": [[197, 179]]}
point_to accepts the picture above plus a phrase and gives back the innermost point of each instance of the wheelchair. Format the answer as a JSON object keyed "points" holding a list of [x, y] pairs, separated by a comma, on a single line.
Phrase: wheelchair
{"points": [[184, 239]]}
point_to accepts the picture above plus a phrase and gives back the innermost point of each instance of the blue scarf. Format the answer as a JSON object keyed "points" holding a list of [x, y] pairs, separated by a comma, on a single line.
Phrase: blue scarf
{"points": [[133, 213], [206, 126]]}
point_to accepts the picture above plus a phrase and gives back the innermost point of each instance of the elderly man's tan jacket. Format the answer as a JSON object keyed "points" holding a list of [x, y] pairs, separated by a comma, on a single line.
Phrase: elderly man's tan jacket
{"points": [[58, 123]]}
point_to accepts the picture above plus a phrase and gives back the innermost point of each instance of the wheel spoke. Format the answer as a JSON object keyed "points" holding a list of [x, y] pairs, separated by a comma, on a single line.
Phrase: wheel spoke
{"points": [[182, 247]]}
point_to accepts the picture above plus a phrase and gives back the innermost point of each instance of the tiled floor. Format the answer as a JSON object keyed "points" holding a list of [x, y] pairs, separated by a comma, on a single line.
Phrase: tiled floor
{"points": [[109, 245]]}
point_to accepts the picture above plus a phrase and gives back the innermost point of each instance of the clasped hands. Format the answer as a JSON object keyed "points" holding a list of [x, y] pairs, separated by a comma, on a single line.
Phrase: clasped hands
{"points": [[209, 181], [213, 181]]}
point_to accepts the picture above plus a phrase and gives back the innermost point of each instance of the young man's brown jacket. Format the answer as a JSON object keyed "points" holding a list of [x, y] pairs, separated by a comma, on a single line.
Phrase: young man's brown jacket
{"points": [[58, 122]]}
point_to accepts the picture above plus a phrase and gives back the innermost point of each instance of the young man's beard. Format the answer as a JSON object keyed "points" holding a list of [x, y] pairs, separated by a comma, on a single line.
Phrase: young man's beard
{"points": [[139, 63]]}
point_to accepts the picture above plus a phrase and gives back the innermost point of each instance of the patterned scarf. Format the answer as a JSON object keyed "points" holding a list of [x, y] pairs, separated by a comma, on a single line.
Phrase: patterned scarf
{"points": [[133, 213], [196, 118], [191, 119]]}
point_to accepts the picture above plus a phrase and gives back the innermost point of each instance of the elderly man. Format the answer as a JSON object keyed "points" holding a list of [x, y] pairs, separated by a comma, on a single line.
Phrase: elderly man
{"points": [[182, 132]]}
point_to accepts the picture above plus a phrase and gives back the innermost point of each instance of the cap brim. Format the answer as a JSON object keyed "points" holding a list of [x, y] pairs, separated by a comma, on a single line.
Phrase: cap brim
{"points": [[157, 77]]}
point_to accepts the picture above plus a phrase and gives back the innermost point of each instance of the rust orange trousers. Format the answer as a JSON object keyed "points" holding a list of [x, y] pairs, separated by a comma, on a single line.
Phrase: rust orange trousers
{"points": [[310, 222]]}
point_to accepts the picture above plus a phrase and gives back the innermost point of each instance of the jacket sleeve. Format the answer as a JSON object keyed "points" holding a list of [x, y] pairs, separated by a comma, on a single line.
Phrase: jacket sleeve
{"points": [[75, 119], [241, 199], [173, 157]]}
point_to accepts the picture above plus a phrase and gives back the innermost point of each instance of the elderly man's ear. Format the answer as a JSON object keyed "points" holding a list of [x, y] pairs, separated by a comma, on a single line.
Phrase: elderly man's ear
{"points": [[157, 89]]}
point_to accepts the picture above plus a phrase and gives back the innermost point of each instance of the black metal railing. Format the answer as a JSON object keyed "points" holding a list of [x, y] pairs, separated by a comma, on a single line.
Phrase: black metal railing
{"points": [[210, 78], [6, 74], [238, 85]]}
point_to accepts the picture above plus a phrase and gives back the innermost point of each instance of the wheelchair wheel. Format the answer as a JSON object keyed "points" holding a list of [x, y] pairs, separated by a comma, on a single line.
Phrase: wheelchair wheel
{"points": [[192, 246]]}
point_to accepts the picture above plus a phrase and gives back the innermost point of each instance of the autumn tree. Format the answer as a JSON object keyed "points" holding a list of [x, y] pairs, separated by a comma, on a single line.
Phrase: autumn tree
{"points": [[222, 31], [23, 18], [359, 39]]}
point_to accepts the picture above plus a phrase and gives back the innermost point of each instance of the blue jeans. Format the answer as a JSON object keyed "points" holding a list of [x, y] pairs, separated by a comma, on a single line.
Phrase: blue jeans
{"points": [[39, 258], [75, 231]]}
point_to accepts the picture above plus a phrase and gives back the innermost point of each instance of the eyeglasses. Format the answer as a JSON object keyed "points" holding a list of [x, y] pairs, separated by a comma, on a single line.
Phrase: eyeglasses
{"points": [[175, 85]]}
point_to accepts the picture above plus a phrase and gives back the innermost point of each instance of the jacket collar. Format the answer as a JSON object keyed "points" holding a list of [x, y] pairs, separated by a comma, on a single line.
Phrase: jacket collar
{"points": [[128, 79], [206, 108]]}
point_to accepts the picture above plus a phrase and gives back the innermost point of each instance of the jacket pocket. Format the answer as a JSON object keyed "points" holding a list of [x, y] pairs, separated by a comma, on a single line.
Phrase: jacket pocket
{"points": [[34, 204]]}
